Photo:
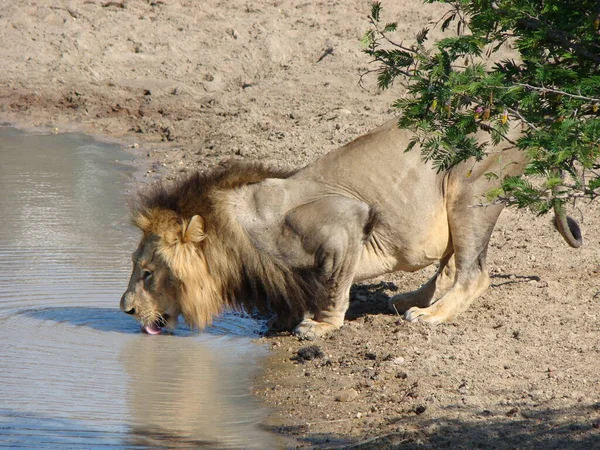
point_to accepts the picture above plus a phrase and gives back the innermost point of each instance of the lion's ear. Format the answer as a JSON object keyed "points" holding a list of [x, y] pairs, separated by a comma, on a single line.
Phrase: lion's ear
{"points": [[194, 230]]}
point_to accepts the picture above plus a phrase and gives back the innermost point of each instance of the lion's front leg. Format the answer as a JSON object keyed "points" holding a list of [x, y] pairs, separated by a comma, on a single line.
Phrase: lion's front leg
{"points": [[331, 317], [334, 230], [340, 262]]}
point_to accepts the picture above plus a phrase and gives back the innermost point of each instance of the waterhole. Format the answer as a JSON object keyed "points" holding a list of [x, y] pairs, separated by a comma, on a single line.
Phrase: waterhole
{"points": [[77, 372]]}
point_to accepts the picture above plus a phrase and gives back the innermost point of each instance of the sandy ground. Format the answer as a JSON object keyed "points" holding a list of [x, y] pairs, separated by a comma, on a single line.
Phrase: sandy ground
{"points": [[187, 84]]}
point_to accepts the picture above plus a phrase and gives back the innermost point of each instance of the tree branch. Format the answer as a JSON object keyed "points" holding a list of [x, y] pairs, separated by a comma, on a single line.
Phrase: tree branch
{"points": [[556, 91], [384, 36], [533, 23]]}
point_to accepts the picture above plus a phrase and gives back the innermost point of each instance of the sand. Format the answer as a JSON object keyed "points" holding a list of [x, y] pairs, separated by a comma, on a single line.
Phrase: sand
{"points": [[186, 85]]}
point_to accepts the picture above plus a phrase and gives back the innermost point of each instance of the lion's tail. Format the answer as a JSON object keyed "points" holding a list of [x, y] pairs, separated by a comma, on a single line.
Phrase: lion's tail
{"points": [[567, 227]]}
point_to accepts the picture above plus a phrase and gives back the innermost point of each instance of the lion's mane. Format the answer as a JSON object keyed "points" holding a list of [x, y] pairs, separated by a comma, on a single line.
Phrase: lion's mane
{"points": [[224, 270]]}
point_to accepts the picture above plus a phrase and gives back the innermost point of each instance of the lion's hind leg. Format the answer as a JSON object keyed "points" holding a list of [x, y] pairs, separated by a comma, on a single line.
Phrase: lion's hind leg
{"points": [[429, 292], [471, 229], [455, 301]]}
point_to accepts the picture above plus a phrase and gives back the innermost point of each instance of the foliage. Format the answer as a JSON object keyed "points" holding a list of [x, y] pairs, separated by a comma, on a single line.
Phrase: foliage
{"points": [[460, 85]]}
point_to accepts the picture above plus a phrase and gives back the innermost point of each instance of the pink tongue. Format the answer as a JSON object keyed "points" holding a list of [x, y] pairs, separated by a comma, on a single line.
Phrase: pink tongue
{"points": [[152, 328]]}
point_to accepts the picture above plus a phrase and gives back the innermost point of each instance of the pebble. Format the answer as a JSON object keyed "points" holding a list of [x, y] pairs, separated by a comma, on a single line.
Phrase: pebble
{"points": [[308, 353], [536, 394], [346, 395], [367, 383], [512, 412], [420, 409], [397, 361]]}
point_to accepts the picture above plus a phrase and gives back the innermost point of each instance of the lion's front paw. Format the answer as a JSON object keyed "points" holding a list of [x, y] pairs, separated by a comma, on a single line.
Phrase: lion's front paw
{"points": [[426, 315], [310, 329]]}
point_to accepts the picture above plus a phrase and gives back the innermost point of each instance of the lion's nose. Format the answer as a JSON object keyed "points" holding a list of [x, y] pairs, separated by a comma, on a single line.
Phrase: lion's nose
{"points": [[126, 305]]}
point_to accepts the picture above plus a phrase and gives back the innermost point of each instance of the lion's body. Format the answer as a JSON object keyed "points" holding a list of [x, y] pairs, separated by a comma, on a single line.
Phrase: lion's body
{"points": [[293, 243]]}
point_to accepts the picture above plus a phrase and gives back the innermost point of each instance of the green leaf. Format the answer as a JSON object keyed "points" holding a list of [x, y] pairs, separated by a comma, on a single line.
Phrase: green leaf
{"points": [[422, 36], [368, 39], [390, 27], [375, 11]]}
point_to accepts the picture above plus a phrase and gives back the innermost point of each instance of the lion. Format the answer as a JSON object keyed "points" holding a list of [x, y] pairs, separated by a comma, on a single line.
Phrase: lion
{"points": [[291, 243]]}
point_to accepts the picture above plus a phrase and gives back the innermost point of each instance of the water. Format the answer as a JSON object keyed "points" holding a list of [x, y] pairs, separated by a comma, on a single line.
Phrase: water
{"points": [[77, 372]]}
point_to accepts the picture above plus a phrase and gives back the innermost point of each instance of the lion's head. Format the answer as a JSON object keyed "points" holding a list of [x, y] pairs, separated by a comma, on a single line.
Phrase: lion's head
{"points": [[170, 273]]}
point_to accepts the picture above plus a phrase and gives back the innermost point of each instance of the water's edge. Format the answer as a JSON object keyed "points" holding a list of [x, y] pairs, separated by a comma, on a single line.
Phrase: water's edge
{"points": [[81, 373]]}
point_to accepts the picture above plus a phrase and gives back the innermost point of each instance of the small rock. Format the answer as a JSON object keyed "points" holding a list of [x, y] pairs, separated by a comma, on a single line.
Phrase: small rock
{"points": [[346, 395], [420, 409], [367, 383], [309, 353], [512, 412], [397, 361], [536, 394]]}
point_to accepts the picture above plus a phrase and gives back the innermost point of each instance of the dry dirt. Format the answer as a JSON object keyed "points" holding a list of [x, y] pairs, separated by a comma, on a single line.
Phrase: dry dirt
{"points": [[187, 84]]}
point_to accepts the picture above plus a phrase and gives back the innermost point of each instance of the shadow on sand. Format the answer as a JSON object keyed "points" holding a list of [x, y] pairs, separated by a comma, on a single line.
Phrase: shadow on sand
{"points": [[568, 429]]}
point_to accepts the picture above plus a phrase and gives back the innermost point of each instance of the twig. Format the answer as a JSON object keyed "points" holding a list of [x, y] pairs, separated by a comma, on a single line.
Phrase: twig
{"points": [[373, 440], [489, 129], [554, 91], [383, 35], [520, 116], [331, 421], [500, 200], [74, 14]]}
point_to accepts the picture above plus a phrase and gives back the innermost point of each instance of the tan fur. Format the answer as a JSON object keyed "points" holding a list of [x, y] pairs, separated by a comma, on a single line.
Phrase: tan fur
{"points": [[292, 244]]}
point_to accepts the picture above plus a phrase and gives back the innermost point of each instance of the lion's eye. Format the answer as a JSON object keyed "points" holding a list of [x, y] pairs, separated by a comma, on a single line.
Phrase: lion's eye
{"points": [[147, 275]]}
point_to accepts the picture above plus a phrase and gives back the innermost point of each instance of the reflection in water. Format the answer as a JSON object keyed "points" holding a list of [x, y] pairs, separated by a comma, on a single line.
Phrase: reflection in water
{"points": [[77, 373], [184, 393]]}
